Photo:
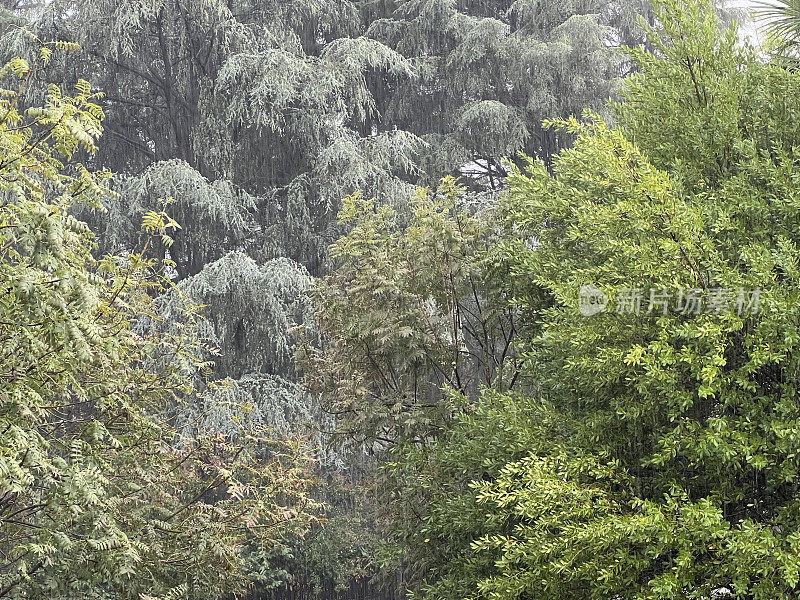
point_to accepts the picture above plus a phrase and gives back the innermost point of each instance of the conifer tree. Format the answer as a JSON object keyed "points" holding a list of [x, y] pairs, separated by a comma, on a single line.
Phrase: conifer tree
{"points": [[490, 72], [299, 104]]}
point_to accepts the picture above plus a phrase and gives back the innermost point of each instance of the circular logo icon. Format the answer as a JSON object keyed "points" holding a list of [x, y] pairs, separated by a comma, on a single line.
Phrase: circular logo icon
{"points": [[591, 301]]}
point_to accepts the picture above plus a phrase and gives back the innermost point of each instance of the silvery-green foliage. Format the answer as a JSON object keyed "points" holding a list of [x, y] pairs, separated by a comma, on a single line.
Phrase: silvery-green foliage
{"points": [[477, 121], [255, 401], [249, 310], [491, 72], [301, 103], [215, 216], [258, 93], [355, 162], [157, 59], [308, 125], [298, 222]]}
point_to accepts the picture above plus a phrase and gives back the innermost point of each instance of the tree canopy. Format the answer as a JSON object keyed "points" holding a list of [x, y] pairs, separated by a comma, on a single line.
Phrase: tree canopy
{"points": [[248, 122], [97, 496], [518, 275], [649, 450]]}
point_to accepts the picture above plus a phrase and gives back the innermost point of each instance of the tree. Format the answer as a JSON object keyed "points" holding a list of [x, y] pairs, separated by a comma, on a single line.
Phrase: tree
{"points": [[409, 311], [296, 105], [414, 323], [98, 497], [264, 99], [659, 459], [490, 72], [257, 117]]}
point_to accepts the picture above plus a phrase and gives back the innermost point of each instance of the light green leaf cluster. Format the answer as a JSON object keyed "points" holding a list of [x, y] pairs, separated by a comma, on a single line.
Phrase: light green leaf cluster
{"points": [[95, 499], [675, 477], [406, 313]]}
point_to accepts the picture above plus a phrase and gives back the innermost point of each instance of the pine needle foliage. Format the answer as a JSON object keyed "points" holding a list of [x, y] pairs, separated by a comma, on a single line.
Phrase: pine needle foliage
{"points": [[265, 94], [262, 303]]}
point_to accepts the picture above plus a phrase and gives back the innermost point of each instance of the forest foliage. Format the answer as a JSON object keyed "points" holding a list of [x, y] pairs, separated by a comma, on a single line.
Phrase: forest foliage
{"points": [[648, 455], [253, 119], [99, 497], [356, 231]]}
